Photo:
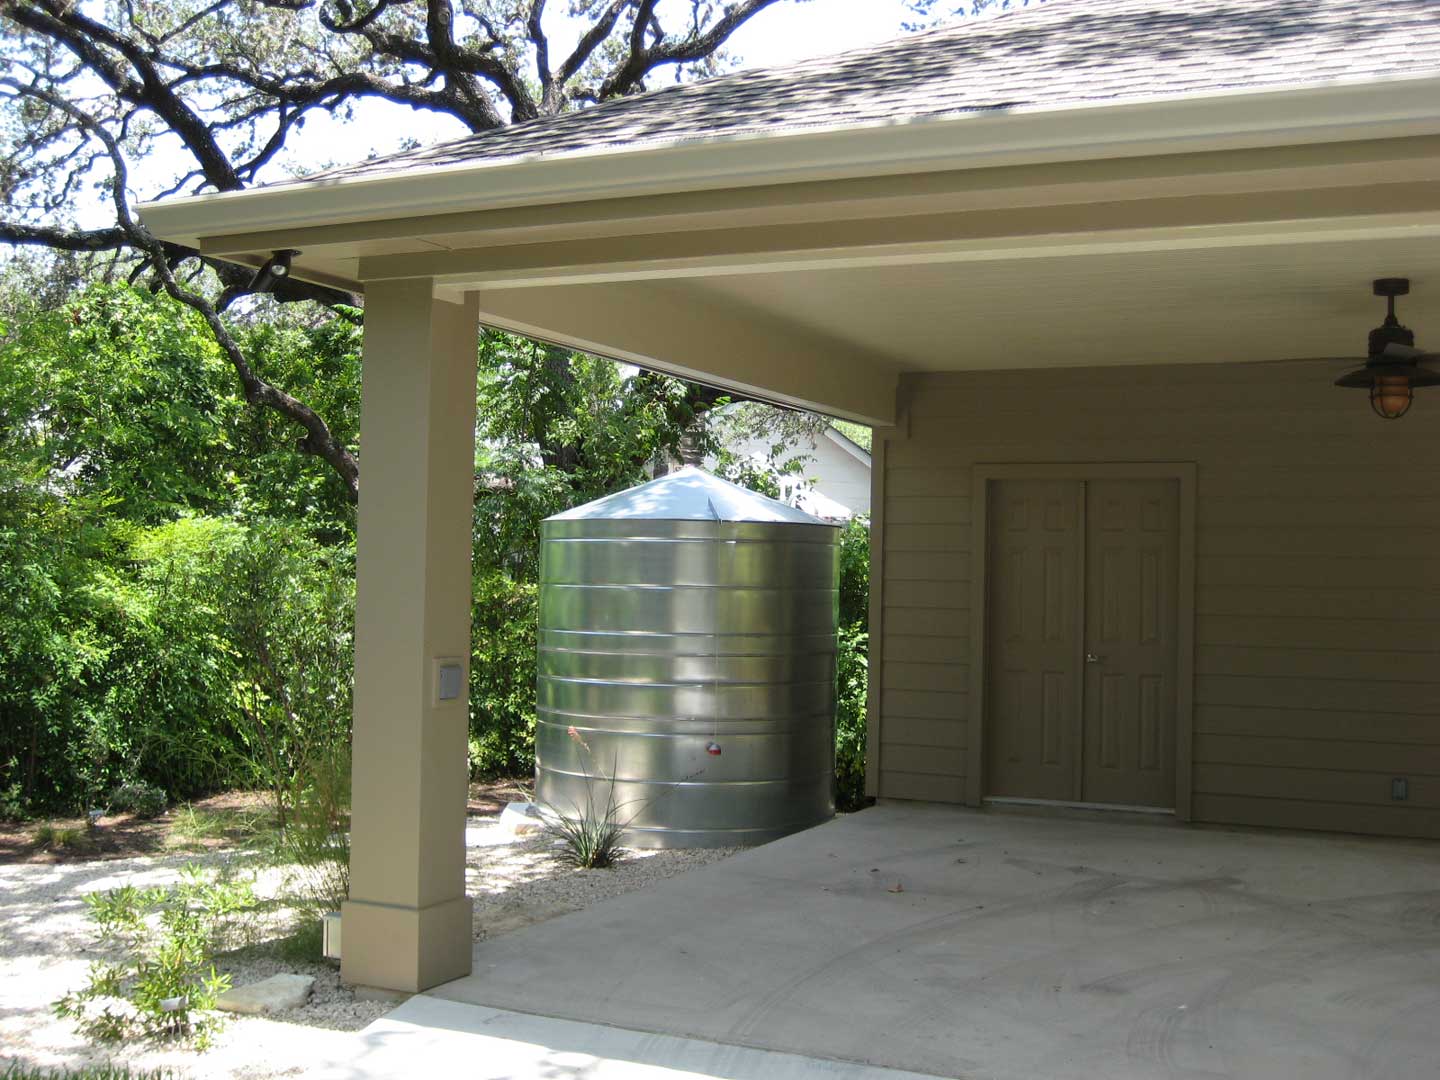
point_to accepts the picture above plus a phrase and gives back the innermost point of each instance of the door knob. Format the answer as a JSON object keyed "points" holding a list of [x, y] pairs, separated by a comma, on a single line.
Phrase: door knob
{"points": [[1091, 658]]}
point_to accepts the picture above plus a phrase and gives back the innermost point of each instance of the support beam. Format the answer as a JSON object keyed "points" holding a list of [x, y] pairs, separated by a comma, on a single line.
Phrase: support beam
{"points": [[1156, 224], [408, 921], [671, 327], [1074, 183]]}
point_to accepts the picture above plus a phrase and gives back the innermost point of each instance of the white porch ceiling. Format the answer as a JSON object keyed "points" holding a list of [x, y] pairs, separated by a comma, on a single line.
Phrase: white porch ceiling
{"points": [[1190, 306], [822, 293]]}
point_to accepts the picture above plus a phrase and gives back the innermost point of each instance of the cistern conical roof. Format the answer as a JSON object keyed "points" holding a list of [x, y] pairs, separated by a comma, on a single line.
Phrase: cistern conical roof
{"points": [[689, 494]]}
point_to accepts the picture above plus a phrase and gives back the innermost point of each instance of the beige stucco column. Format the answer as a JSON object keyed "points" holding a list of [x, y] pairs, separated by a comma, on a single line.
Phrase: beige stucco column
{"points": [[407, 923]]}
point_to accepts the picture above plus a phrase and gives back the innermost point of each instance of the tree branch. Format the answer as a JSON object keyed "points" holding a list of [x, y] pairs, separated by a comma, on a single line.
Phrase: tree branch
{"points": [[641, 61], [14, 232], [318, 438]]}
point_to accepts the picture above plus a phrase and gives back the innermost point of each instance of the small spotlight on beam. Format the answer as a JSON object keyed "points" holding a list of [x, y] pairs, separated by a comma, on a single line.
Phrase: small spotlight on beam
{"points": [[276, 268]]}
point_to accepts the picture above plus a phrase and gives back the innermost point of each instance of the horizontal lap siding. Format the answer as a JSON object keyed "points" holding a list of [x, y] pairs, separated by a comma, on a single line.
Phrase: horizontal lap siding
{"points": [[924, 701], [1317, 578]]}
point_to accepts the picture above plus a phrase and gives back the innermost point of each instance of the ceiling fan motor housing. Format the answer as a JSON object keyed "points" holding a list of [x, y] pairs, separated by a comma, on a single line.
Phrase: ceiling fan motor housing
{"points": [[1391, 332]]}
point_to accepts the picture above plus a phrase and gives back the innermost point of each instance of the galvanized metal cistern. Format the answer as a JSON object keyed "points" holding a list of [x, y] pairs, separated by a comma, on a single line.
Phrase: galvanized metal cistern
{"points": [[687, 636]]}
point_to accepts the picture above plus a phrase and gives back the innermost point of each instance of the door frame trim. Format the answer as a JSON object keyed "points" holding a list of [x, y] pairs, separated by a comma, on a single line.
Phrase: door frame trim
{"points": [[982, 476]]}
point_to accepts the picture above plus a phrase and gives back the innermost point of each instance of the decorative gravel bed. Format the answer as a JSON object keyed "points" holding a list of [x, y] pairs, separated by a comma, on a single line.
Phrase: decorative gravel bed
{"points": [[518, 882], [46, 942]]}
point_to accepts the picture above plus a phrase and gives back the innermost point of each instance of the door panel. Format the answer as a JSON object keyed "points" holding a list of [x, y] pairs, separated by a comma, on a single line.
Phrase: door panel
{"points": [[1081, 656], [1032, 743], [1131, 552]]}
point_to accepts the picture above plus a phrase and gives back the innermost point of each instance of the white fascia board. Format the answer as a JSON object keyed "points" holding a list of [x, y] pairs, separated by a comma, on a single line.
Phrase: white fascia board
{"points": [[1334, 112], [849, 445]]}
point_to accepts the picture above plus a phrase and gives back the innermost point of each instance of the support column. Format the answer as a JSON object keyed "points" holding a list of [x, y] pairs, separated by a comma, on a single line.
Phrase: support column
{"points": [[407, 923]]}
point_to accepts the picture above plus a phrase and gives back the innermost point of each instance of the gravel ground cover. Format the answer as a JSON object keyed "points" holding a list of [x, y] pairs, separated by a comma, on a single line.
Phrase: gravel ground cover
{"points": [[47, 944]]}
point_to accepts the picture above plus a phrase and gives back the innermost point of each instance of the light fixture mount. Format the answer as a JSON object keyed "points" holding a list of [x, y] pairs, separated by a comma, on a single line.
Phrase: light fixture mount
{"points": [[274, 269]]}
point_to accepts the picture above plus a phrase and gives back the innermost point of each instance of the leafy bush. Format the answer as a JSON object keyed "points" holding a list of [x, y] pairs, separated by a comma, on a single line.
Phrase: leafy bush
{"points": [[855, 572], [12, 803], [165, 983], [502, 676], [316, 842], [139, 798], [132, 473], [289, 618], [853, 665]]}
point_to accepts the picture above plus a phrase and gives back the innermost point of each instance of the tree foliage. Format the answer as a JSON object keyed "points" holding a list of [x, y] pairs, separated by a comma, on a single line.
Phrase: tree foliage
{"points": [[555, 429], [853, 666], [140, 565], [176, 586], [188, 96]]}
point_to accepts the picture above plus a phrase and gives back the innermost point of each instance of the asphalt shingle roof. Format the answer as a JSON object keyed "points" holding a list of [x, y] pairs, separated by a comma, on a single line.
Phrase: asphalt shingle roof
{"points": [[1062, 53]]}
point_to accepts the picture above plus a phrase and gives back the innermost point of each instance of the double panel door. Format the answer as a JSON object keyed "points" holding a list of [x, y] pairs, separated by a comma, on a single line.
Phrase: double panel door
{"points": [[1081, 656]]}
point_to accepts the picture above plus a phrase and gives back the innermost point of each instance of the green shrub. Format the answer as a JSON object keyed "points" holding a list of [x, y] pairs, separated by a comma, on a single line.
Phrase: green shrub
{"points": [[13, 804], [853, 665], [289, 618], [316, 841], [139, 798], [61, 838], [855, 572], [502, 676], [164, 985], [131, 471]]}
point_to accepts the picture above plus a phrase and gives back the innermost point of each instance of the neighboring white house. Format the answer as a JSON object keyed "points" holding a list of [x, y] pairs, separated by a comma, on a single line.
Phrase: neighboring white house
{"points": [[835, 479]]}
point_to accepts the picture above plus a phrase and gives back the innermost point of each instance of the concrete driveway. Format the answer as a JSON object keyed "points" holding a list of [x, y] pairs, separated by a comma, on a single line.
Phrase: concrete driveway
{"points": [[989, 944]]}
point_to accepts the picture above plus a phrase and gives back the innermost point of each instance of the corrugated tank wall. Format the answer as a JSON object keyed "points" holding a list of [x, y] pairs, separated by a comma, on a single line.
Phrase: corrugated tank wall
{"points": [[687, 670]]}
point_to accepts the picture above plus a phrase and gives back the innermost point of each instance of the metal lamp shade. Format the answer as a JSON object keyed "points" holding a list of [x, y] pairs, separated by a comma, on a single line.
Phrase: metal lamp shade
{"points": [[1391, 384]]}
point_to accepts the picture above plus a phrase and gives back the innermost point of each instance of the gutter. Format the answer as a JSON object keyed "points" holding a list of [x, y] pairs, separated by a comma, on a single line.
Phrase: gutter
{"points": [[1333, 112]]}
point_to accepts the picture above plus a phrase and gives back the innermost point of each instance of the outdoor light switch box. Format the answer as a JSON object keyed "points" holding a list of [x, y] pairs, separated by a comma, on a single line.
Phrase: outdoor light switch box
{"points": [[449, 681]]}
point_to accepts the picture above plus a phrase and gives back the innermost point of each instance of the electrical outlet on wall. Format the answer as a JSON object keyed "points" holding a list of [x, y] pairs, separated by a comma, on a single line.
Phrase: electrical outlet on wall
{"points": [[1399, 789]]}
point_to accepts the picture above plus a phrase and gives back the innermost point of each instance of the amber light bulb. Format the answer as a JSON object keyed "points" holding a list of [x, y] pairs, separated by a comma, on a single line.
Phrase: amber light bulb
{"points": [[1390, 395]]}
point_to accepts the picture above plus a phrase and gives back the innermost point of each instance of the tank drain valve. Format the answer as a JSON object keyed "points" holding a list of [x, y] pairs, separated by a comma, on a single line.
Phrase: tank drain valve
{"points": [[713, 749]]}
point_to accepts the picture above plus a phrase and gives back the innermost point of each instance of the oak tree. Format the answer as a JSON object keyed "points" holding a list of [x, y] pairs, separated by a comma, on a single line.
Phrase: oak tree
{"points": [[139, 99]]}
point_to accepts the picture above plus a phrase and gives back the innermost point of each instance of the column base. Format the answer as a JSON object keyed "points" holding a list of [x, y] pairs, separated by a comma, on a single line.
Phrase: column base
{"points": [[402, 948]]}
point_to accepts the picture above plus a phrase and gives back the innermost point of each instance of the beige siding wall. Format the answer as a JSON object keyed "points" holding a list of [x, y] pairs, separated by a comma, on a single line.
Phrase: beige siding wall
{"points": [[1317, 578]]}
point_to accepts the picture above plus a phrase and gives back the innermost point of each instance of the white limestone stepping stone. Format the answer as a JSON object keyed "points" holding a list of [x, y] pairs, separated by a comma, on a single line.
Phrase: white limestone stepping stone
{"points": [[275, 994], [521, 817]]}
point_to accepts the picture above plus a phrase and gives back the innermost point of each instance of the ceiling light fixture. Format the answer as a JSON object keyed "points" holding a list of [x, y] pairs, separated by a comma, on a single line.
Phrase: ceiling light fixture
{"points": [[1392, 370]]}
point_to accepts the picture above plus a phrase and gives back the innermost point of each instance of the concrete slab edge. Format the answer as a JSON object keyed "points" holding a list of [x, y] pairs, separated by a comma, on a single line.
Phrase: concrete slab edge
{"points": [[432, 1037]]}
